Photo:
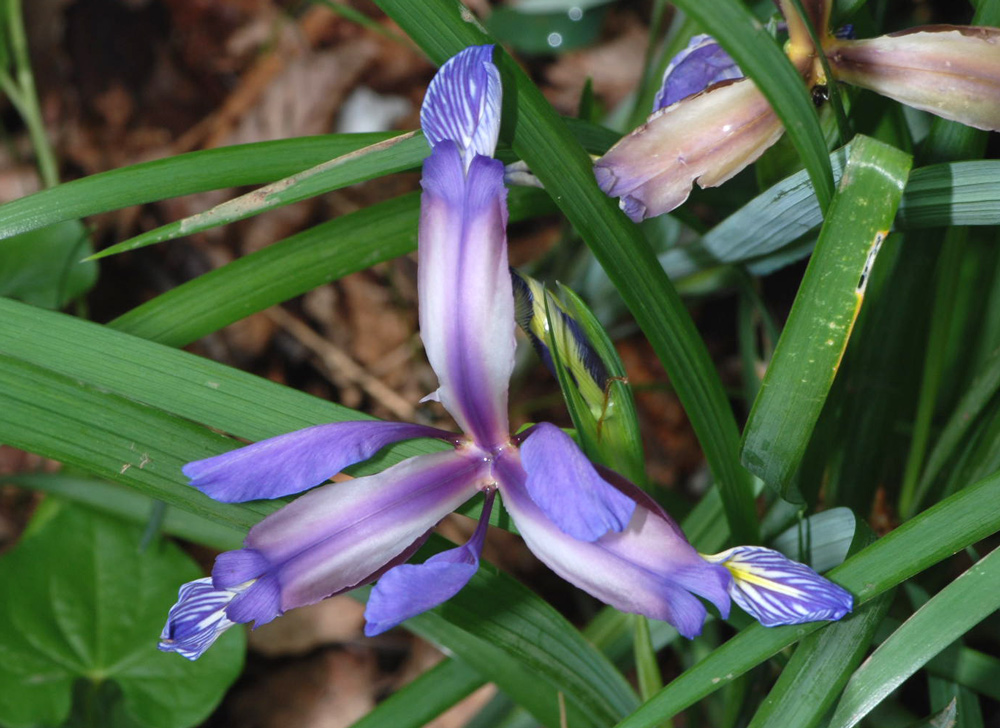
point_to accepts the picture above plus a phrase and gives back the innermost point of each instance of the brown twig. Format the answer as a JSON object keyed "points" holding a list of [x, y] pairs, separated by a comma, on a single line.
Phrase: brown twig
{"points": [[336, 360]]}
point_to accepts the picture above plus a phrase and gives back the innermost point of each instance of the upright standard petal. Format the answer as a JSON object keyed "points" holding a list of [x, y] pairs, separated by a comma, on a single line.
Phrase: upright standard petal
{"points": [[297, 461], [702, 63], [411, 589], [463, 104], [197, 619], [466, 299], [951, 71], [776, 590], [346, 534], [649, 568], [564, 485], [706, 139]]}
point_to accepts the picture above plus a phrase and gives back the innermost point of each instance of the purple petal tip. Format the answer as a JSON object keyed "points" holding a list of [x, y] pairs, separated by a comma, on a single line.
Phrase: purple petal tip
{"points": [[567, 488]]}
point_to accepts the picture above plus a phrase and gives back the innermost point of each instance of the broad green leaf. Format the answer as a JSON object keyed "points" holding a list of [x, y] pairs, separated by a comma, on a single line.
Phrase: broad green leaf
{"points": [[815, 336], [418, 702], [442, 28], [940, 531], [291, 267], [392, 155], [83, 602], [43, 267], [947, 616]]}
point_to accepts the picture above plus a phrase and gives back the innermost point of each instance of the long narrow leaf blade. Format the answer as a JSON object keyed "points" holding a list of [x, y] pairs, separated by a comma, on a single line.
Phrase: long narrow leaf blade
{"points": [[184, 174], [386, 157], [289, 268], [955, 610]]}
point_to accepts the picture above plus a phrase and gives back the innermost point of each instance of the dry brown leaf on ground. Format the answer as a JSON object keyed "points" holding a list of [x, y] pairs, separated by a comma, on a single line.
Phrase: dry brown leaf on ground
{"points": [[332, 689], [330, 622]]}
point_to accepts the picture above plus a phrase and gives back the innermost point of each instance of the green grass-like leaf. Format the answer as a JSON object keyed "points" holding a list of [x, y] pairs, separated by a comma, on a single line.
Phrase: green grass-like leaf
{"points": [[935, 534], [947, 616]]}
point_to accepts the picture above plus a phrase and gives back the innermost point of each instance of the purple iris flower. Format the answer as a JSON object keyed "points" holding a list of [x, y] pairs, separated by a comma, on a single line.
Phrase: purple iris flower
{"points": [[702, 63], [590, 526]]}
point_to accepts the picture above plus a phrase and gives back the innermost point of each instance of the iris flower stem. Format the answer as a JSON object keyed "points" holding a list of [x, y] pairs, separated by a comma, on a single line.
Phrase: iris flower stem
{"points": [[25, 97], [817, 35], [646, 667]]}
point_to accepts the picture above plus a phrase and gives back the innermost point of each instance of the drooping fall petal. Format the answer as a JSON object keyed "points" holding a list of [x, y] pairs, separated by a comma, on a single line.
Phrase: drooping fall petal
{"points": [[297, 461], [649, 568], [345, 534], [565, 486]]}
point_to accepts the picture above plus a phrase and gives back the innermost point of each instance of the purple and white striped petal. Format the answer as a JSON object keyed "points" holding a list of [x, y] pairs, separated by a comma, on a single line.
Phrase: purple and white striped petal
{"points": [[411, 589], [345, 534], [649, 568], [466, 299], [564, 485], [299, 460], [463, 104], [694, 69], [776, 590], [197, 619]]}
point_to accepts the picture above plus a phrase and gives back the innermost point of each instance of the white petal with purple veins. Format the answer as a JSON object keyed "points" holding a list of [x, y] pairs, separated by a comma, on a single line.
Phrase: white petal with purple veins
{"points": [[463, 104], [777, 590], [197, 619]]}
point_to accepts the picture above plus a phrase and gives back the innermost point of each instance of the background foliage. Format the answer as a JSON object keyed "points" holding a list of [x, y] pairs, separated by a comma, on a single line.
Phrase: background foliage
{"points": [[887, 472]]}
